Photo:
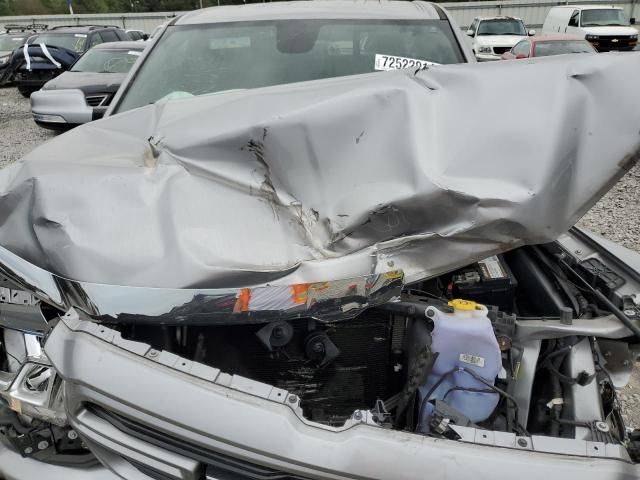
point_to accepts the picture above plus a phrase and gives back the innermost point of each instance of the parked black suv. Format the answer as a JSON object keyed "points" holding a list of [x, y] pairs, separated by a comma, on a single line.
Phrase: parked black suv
{"points": [[14, 36], [34, 66]]}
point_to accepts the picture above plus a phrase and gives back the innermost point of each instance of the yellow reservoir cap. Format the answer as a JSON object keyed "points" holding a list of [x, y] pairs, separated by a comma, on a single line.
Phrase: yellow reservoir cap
{"points": [[460, 304]]}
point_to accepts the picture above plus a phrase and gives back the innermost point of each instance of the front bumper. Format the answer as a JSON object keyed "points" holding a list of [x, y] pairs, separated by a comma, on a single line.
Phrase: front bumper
{"points": [[614, 44], [60, 108], [190, 420], [487, 57]]}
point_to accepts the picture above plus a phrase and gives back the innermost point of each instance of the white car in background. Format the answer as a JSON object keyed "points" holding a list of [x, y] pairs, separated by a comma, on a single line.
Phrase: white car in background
{"points": [[607, 27], [493, 36]]}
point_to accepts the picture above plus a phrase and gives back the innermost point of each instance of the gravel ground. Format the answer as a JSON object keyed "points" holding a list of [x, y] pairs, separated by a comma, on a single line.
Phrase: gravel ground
{"points": [[616, 216], [630, 399], [19, 134]]}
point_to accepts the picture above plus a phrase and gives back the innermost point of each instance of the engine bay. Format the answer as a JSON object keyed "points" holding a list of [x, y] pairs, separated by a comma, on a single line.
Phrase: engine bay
{"points": [[458, 331], [520, 343]]}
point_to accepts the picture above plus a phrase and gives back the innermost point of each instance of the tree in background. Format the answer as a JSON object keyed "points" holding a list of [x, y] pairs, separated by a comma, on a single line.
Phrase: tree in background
{"points": [[6, 7], [38, 7]]}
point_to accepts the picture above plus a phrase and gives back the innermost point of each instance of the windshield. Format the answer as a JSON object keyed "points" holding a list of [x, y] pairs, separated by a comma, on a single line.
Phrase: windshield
{"points": [[106, 61], [9, 43], [71, 41], [506, 26], [544, 49], [604, 17], [200, 59]]}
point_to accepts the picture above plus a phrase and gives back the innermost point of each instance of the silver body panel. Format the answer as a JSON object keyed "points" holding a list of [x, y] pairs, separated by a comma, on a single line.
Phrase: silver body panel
{"points": [[326, 180]]}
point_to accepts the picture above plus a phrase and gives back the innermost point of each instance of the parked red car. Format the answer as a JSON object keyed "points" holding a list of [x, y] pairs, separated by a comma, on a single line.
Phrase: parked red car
{"points": [[545, 45]]}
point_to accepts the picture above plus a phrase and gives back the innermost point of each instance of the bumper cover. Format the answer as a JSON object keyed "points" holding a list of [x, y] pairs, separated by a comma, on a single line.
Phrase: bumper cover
{"points": [[487, 57], [260, 427]]}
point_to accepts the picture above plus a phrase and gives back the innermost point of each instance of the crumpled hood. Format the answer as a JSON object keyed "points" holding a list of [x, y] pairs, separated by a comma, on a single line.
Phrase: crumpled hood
{"points": [[331, 179], [88, 82], [499, 40]]}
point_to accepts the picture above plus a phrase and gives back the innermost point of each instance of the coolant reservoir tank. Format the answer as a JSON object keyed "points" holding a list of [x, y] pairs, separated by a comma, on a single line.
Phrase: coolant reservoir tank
{"points": [[465, 341]]}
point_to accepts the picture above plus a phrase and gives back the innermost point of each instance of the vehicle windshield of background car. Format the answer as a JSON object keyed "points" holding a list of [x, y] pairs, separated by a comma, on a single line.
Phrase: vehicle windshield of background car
{"points": [[107, 61], [70, 41], [8, 43], [502, 27], [604, 17], [202, 59], [544, 49]]}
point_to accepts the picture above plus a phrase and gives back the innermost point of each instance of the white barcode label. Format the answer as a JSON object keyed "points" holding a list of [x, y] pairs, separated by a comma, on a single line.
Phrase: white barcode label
{"points": [[494, 269], [472, 359], [390, 62]]}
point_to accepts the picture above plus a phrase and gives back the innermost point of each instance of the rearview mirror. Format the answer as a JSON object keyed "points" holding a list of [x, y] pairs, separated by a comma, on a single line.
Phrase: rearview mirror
{"points": [[532, 33], [470, 32], [632, 21], [296, 36]]}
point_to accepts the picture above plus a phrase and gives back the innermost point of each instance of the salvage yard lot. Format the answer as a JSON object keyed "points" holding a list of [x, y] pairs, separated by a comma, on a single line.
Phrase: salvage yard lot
{"points": [[616, 216], [19, 135]]}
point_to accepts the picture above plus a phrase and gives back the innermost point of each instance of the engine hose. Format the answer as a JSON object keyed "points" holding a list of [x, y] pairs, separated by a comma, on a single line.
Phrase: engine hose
{"points": [[635, 330], [556, 390], [556, 420], [481, 379]]}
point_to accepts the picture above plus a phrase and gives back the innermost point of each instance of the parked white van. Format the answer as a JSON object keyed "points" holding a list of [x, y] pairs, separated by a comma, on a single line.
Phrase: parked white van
{"points": [[605, 26], [492, 36]]}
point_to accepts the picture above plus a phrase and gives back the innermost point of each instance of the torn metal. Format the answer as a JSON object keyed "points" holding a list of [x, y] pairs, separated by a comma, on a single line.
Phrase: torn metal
{"points": [[348, 178]]}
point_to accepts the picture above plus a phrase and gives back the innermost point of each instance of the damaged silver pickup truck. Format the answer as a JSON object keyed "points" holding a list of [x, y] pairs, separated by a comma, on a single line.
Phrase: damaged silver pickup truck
{"points": [[308, 276]]}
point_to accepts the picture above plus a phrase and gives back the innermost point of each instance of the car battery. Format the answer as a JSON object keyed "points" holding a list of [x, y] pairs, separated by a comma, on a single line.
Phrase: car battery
{"points": [[489, 282]]}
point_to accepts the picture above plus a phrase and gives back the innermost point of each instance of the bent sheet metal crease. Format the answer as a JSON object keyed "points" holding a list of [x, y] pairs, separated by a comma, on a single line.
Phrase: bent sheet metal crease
{"points": [[326, 180]]}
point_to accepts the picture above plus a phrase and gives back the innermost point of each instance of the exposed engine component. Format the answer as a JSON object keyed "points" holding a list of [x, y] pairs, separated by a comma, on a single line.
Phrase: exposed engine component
{"points": [[598, 274], [489, 282], [319, 348], [423, 362], [335, 368], [275, 335], [443, 416], [467, 365], [42, 440]]}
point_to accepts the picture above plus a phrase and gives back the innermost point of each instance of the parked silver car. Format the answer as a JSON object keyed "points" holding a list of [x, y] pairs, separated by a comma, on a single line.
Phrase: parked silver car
{"points": [[274, 258]]}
